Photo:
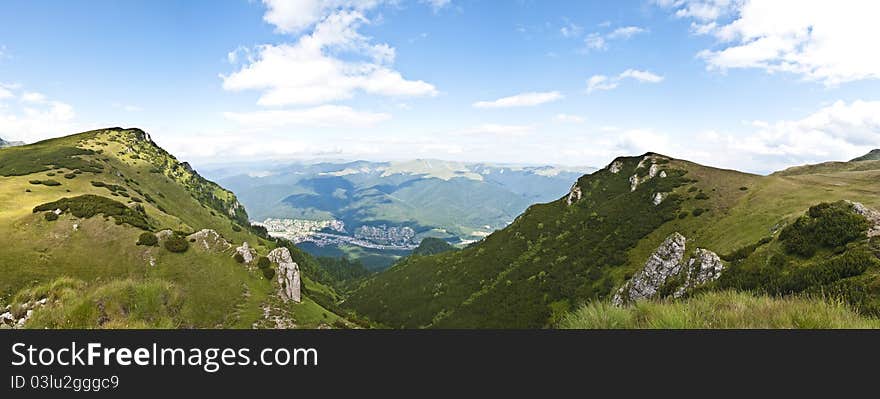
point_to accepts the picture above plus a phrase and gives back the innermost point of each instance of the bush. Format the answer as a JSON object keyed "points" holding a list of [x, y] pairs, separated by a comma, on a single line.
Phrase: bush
{"points": [[263, 262], [50, 216], [682, 215], [70, 176], [86, 206], [177, 244], [824, 226], [701, 196], [268, 273], [238, 257], [236, 228], [148, 239], [743, 188], [698, 211]]}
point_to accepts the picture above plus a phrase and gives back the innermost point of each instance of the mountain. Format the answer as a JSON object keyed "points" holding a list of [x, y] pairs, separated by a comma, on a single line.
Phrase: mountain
{"points": [[4, 143], [379, 211], [105, 229], [649, 227], [873, 155]]}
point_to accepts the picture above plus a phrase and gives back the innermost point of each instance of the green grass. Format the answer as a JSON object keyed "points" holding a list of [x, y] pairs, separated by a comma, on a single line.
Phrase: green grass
{"points": [[720, 310]]}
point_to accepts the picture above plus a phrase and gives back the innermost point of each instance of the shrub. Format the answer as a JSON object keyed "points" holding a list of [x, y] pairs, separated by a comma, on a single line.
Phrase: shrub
{"points": [[701, 196], [682, 215], [70, 176], [824, 226], [698, 211], [50, 174], [50, 216], [743, 188], [136, 199], [238, 257], [236, 228], [148, 239], [263, 262], [176, 243], [86, 206], [268, 273]]}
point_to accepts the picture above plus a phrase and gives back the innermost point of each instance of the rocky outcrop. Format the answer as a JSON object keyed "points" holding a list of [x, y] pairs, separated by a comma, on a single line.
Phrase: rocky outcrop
{"points": [[666, 271], [247, 253], [209, 240], [658, 198], [574, 194], [703, 267], [16, 317], [653, 171], [872, 215], [288, 275], [164, 234], [615, 167]]}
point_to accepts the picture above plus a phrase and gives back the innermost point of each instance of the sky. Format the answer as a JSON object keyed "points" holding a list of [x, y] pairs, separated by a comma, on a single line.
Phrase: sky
{"points": [[745, 84]]}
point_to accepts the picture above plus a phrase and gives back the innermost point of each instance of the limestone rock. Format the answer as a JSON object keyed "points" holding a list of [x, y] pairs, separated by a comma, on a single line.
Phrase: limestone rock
{"points": [[574, 194], [703, 267], [209, 240], [288, 275], [164, 234], [658, 198], [666, 269], [663, 263], [872, 215], [248, 253], [615, 167]]}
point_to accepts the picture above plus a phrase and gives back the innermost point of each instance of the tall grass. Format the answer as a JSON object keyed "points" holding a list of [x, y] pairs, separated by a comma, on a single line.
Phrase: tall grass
{"points": [[720, 310]]}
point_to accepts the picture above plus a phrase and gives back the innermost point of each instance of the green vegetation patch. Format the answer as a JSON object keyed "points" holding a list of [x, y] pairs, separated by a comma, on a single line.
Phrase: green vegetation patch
{"points": [[721, 310], [40, 157], [827, 225], [88, 205]]}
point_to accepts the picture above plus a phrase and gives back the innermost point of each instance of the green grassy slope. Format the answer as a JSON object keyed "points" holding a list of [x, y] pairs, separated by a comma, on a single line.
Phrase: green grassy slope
{"points": [[93, 259], [556, 256]]}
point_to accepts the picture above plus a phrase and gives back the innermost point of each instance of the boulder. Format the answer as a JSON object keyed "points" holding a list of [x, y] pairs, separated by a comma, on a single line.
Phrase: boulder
{"points": [[209, 240], [872, 215], [248, 253], [288, 275]]}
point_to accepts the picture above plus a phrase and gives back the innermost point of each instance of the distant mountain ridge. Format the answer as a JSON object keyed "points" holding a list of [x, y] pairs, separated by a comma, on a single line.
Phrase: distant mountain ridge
{"points": [[4, 143], [873, 155]]}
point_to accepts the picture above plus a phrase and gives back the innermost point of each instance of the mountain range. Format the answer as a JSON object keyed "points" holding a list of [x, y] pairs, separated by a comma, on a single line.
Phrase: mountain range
{"points": [[105, 229], [387, 208]]}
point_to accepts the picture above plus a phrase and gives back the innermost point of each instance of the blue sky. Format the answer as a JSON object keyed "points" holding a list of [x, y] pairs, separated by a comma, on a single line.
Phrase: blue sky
{"points": [[754, 85]]}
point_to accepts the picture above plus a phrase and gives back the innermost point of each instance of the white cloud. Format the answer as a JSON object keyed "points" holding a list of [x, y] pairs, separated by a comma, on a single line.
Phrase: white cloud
{"points": [[568, 118], [602, 82], [599, 41], [625, 32], [321, 116], [437, 5], [33, 97], [521, 100], [828, 42], [295, 16], [313, 71], [641, 76], [36, 117]]}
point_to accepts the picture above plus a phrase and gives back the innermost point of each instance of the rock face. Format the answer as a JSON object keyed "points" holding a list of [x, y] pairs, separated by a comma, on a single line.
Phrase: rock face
{"points": [[653, 171], [658, 198], [574, 194], [289, 279], [615, 167], [872, 215], [663, 263], [665, 267], [209, 240], [248, 253]]}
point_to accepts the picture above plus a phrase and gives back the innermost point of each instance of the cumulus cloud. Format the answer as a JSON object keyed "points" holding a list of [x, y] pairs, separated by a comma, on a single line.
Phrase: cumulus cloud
{"points": [[828, 42], [625, 32], [603, 82], [521, 100], [35, 116], [321, 116]]}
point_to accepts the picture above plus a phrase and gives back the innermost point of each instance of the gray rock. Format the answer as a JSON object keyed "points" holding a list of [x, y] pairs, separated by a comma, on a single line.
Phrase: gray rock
{"points": [[288, 275], [658, 198], [615, 167], [666, 267], [664, 263], [872, 215], [209, 240], [248, 253], [574, 194]]}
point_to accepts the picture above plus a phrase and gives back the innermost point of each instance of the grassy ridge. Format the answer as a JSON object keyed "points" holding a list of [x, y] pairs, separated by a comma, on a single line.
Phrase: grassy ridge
{"points": [[725, 310]]}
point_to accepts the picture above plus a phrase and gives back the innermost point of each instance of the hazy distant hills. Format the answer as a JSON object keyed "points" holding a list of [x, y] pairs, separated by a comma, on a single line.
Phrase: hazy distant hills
{"points": [[4, 143], [456, 201]]}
